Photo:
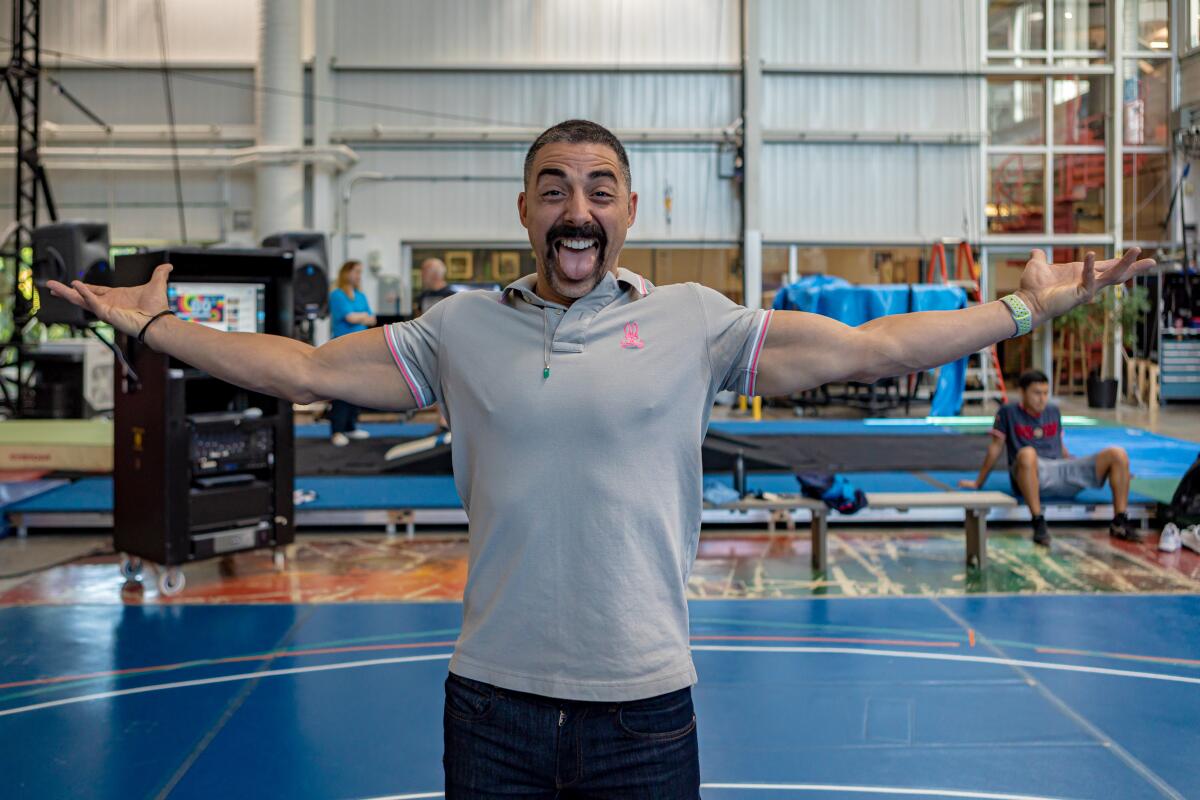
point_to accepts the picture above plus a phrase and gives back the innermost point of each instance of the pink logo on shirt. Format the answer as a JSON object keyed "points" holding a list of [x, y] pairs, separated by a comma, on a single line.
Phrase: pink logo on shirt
{"points": [[631, 339]]}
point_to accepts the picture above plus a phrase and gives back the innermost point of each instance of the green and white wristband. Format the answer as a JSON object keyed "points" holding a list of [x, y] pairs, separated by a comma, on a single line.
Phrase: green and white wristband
{"points": [[1020, 314]]}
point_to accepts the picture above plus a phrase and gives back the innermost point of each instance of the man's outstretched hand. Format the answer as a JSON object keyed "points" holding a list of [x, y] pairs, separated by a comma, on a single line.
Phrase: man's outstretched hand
{"points": [[1051, 290], [125, 308]]}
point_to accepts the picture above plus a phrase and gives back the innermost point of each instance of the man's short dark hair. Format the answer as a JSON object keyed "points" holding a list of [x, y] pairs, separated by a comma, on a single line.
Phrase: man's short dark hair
{"points": [[1030, 377], [577, 131]]}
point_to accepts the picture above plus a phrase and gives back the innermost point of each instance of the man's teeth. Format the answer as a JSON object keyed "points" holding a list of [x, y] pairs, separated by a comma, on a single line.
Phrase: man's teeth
{"points": [[578, 244]]}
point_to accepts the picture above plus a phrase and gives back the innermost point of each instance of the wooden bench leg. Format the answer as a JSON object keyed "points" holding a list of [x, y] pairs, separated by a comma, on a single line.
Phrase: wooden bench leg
{"points": [[820, 544], [976, 537]]}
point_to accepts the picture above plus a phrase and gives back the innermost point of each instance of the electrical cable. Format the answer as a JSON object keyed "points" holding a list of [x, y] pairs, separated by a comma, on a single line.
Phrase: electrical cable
{"points": [[160, 14], [342, 101], [126, 368]]}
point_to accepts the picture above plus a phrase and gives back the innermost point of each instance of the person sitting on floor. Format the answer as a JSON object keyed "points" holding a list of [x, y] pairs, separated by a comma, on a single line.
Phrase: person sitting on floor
{"points": [[1039, 465]]}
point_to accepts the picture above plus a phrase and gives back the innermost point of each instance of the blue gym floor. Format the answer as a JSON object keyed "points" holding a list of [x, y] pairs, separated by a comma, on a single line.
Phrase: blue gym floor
{"points": [[975, 697]]}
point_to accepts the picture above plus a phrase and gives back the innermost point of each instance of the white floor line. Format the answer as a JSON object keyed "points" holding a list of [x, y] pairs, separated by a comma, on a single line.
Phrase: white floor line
{"points": [[1008, 662], [817, 787], [243, 676], [887, 790]]}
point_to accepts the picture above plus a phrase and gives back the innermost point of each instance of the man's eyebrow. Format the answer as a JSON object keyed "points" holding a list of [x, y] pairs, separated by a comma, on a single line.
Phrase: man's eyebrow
{"points": [[553, 172], [602, 173]]}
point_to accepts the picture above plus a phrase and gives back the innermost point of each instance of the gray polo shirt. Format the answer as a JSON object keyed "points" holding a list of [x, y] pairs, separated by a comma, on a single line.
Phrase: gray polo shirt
{"points": [[583, 488]]}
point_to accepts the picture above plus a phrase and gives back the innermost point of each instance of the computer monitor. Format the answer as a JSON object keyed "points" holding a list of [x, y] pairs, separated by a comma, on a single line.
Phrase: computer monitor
{"points": [[233, 307]]}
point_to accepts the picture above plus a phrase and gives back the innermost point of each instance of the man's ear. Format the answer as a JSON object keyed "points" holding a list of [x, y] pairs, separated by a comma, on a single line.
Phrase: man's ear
{"points": [[633, 201], [522, 209]]}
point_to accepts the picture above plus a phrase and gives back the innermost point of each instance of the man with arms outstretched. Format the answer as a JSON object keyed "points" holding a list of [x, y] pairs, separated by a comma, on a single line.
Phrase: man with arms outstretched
{"points": [[579, 398]]}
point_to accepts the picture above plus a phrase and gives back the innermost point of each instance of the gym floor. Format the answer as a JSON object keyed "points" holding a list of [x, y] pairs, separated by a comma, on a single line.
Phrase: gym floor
{"points": [[1066, 674]]}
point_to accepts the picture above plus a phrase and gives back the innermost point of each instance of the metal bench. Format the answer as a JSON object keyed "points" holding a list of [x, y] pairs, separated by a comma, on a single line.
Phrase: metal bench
{"points": [[975, 506]]}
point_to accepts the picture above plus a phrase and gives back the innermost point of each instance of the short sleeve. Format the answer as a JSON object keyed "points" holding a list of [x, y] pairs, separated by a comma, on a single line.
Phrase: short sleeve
{"points": [[339, 305], [734, 336], [1000, 425], [414, 346]]}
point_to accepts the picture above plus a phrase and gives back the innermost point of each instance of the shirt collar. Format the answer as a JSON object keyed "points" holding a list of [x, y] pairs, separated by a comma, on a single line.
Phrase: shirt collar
{"points": [[606, 290]]}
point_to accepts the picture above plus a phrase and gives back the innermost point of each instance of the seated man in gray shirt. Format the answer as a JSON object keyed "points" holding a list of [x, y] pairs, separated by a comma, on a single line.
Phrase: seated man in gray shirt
{"points": [[1039, 465], [579, 398]]}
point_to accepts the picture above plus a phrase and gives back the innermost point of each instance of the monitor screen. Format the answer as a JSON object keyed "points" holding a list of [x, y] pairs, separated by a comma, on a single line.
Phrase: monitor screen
{"points": [[239, 307]]}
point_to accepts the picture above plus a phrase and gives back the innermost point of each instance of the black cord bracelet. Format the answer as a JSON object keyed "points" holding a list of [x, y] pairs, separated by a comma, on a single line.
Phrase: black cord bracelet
{"points": [[141, 337]]}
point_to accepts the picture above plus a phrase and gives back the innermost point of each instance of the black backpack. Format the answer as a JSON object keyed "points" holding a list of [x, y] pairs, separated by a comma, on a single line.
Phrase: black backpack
{"points": [[1185, 505]]}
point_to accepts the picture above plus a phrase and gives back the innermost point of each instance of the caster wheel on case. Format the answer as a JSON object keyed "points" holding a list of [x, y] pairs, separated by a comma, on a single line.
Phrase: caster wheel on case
{"points": [[131, 568], [171, 581]]}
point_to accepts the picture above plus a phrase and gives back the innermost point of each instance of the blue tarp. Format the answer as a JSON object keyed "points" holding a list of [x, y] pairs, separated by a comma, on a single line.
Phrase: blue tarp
{"points": [[854, 305]]}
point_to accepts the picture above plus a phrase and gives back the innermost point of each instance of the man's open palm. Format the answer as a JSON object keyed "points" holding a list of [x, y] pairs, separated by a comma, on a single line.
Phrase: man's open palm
{"points": [[1055, 289], [125, 308]]}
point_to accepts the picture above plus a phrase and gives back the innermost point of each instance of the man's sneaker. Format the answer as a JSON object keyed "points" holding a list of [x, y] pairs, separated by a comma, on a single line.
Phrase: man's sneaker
{"points": [[1041, 534], [339, 440], [1124, 531], [1190, 538], [1168, 542], [358, 433]]}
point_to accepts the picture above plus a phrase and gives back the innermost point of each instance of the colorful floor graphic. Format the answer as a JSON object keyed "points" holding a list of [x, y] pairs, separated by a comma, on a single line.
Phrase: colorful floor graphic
{"points": [[330, 569]]}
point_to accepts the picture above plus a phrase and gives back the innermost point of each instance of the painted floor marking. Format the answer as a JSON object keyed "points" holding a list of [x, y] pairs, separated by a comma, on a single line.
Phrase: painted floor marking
{"points": [[1008, 662]]}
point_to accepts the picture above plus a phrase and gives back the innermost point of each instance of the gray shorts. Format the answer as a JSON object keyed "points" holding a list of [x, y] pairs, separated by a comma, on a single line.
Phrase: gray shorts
{"points": [[1062, 477]]}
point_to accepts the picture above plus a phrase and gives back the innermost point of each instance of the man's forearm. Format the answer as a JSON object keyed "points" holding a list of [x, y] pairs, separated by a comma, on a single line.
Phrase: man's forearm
{"points": [[989, 461], [905, 343], [274, 365]]}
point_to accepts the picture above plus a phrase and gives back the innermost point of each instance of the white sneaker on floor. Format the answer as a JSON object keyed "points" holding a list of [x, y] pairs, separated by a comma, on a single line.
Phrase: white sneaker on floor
{"points": [[1190, 538], [339, 440], [359, 433], [1168, 542]]}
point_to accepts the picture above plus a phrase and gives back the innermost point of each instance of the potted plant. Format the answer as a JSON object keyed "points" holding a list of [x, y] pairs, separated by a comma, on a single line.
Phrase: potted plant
{"points": [[1119, 309]]}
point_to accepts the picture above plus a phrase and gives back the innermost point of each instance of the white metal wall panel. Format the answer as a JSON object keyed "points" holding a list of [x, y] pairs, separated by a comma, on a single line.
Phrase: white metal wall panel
{"points": [[137, 97], [389, 32], [866, 193], [702, 204], [430, 211], [872, 103], [140, 206], [197, 30], [473, 100], [898, 33]]}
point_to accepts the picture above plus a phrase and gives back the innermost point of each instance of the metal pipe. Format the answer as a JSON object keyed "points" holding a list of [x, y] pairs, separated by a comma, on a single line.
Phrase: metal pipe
{"points": [[752, 145], [279, 114]]}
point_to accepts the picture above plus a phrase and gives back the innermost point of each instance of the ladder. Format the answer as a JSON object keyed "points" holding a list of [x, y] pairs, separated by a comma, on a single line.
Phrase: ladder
{"points": [[983, 367]]}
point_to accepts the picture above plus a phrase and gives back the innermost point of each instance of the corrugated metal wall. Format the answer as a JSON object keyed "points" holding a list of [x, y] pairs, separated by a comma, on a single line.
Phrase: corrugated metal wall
{"points": [[406, 68], [391, 32], [898, 33]]}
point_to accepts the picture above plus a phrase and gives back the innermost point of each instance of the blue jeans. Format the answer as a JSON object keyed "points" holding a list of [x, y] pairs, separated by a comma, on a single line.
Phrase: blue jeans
{"points": [[343, 417], [501, 743]]}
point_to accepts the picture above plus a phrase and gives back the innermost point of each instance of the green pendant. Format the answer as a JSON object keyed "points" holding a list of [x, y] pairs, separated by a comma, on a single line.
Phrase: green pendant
{"points": [[546, 373]]}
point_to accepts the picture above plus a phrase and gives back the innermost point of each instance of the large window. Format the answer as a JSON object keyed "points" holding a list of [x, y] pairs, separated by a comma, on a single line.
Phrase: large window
{"points": [[1147, 25], [1050, 98]]}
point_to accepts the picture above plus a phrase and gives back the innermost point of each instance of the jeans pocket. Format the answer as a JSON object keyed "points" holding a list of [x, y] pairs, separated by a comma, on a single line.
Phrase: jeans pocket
{"points": [[468, 700], [661, 719]]}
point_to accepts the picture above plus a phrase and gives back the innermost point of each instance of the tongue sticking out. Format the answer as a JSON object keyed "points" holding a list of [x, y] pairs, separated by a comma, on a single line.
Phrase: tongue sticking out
{"points": [[577, 265]]}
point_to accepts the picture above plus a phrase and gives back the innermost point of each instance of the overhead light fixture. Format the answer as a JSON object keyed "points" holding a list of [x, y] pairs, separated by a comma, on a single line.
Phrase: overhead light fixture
{"points": [[1156, 45], [1068, 15]]}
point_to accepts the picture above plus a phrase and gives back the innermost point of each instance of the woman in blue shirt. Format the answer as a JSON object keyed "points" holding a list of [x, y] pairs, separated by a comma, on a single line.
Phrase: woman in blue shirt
{"points": [[349, 312]]}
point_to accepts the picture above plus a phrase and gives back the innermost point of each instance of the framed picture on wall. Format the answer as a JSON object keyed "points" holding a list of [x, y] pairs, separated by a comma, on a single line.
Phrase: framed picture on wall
{"points": [[460, 265], [506, 266]]}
